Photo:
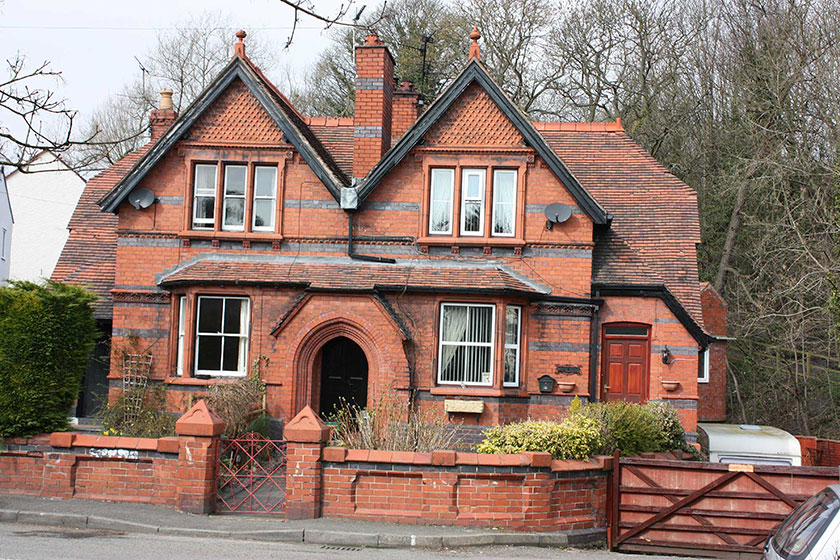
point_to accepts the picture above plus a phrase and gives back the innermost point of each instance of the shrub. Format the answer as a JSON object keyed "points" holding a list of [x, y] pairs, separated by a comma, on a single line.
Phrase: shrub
{"points": [[47, 333], [633, 428], [670, 426], [150, 420], [381, 426], [574, 438]]}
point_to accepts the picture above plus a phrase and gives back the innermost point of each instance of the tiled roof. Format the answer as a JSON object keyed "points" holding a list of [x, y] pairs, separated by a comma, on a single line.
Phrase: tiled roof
{"points": [[337, 137], [89, 255], [346, 275], [655, 227]]}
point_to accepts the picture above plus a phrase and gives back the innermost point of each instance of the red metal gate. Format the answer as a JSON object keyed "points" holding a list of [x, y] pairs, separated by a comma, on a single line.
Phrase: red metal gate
{"points": [[704, 508], [252, 475]]}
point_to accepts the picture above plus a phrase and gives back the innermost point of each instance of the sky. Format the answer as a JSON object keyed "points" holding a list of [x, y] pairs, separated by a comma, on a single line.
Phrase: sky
{"points": [[94, 42]]}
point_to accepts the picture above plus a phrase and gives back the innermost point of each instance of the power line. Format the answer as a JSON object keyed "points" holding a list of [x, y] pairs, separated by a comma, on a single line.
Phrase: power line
{"points": [[135, 28]]}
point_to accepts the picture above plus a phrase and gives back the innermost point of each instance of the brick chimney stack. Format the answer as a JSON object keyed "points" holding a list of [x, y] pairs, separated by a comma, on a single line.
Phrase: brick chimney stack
{"points": [[374, 90], [406, 109], [161, 119]]}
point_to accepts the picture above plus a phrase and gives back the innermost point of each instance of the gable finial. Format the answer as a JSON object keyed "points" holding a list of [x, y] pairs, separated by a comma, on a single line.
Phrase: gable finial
{"points": [[239, 46], [475, 50]]}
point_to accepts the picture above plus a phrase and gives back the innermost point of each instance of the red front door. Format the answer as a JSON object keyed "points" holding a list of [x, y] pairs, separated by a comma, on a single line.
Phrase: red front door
{"points": [[626, 354]]}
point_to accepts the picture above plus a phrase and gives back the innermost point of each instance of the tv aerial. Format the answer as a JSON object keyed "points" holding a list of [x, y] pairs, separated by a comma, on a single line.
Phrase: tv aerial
{"points": [[141, 198], [557, 213]]}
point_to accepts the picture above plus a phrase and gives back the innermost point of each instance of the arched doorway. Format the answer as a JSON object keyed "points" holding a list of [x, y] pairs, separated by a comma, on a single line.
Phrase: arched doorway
{"points": [[344, 375]]}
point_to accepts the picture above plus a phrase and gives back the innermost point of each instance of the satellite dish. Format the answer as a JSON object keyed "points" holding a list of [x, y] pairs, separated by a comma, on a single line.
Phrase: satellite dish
{"points": [[141, 198], [557, 213]]}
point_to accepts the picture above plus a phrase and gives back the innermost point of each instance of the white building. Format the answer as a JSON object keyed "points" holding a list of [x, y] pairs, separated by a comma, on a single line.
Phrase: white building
{"points": [[43, 202], [6, 221]]}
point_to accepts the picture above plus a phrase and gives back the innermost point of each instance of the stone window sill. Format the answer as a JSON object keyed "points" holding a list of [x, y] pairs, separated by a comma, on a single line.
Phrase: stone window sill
{"points": [[450, 241], [478, 392], [230, 235]]}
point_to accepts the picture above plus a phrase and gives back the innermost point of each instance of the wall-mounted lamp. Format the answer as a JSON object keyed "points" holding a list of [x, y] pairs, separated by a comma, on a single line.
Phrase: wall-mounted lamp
{"points": [[666, 355]]}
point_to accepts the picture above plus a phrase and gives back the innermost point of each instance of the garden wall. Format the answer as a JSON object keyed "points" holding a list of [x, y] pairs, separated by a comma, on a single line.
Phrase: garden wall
{"points": [[179, 472], [525, 491], [819, 452]]}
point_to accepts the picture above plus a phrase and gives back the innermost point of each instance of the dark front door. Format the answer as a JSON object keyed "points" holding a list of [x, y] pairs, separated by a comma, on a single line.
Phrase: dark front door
{"points": [[626, 356], [344, 375]]}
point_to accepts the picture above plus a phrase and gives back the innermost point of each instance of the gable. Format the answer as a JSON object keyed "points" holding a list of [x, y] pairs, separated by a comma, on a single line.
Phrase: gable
{"points": [[474, 74], [290, 122], [236, 116], [474, 120]]}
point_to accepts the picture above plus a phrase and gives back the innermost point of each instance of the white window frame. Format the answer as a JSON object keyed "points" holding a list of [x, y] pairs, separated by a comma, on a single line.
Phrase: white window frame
{"points": [[243, 197], [243, 337], [3, 245], [482, 175], [703, 376], [432, 173], [491, 344], [517, 346], [205, 223], [272, 198], [182, 335], [496, 173]]}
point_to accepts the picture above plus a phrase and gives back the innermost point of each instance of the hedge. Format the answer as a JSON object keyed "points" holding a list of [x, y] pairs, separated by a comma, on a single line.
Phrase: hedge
{"points": [[47, 333]]}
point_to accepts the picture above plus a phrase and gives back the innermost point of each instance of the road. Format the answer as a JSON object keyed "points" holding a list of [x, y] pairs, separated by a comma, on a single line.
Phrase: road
{"points": [[37, 542]]}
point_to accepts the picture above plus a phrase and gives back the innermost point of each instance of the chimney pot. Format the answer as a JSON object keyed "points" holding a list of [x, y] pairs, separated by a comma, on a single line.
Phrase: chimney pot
{"points": [[239, 46], [373, 39], [166, 99]]}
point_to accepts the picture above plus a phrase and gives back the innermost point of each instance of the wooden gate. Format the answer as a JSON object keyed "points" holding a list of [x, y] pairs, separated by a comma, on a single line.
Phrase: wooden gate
{"points": [[251, 475], [707, 509]]}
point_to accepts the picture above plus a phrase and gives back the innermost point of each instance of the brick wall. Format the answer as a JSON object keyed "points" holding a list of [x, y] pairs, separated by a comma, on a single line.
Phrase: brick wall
{"points": [[527, 491], [178, 472], [819, 452]]}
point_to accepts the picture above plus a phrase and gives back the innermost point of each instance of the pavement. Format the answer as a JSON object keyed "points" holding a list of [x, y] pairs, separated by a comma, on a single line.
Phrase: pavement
{"points": [[149, 519]]}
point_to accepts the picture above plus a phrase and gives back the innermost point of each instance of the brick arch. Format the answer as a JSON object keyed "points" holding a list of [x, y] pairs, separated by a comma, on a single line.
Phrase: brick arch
{"points": [[314, 337]]}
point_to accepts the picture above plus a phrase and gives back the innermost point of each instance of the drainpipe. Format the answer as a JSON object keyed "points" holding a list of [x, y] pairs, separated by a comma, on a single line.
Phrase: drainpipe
{"points": [[594, 324], [356, 256]]}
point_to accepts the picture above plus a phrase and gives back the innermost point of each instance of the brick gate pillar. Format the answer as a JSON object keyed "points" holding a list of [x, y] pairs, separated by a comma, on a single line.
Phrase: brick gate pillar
{"points": [[199, 431], [305, 437]]}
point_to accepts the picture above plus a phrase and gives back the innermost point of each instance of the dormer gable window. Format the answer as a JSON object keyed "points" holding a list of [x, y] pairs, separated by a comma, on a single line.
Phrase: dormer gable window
{"points": [[475, 205], [235, 198]]}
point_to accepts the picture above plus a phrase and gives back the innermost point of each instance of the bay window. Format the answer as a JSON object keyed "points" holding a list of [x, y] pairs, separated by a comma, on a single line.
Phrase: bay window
{"points": [[221, 336], [466, 344]]}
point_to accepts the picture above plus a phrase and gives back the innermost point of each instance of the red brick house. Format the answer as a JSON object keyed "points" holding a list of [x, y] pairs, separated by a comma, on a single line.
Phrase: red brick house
{"points": [[402, 253]]}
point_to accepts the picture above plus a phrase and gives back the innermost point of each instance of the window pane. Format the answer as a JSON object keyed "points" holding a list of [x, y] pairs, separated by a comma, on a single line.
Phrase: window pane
{"points": [[209, 315], [205, 207], [473, 188], [472, 216], [235, 179], [230, 360], [511, 358], [511, 325], [209, 352], [503, 219], [504, 185], [265, 179], [205, 179], [440, 217], [504, 201], [233, 314], [481, 327], [455, 319], [264, 213], [234, 211]]}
